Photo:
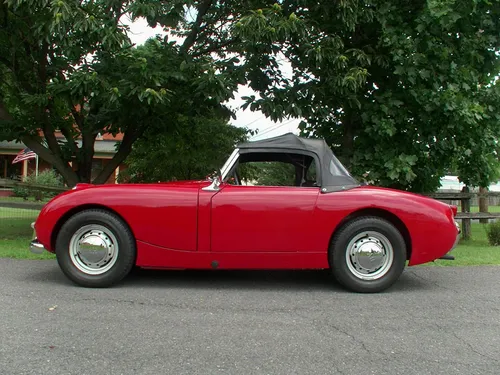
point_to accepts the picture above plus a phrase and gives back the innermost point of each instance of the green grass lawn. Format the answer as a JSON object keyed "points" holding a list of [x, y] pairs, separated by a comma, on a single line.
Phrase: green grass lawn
{"points": [[475, 251], [16, 234], [476, 209]]}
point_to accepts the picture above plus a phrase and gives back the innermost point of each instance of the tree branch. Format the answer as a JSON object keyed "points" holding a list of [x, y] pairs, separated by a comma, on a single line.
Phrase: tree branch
{"points": [[215, 47], [124, 150], [46, 154], [191, 38], [48, 133], [68, 174], [87, 154], [71, 142]]}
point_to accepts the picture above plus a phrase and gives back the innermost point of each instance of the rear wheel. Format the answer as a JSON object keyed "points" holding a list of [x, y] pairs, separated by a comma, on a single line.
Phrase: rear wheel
{"points": [[367, 255], [95, 248]]}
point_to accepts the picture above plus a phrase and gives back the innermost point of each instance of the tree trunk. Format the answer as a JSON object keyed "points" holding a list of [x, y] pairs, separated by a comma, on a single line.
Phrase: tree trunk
{"points": [[45, 154], [86, 156], [483, 204], [69, 176], [124, 150]]}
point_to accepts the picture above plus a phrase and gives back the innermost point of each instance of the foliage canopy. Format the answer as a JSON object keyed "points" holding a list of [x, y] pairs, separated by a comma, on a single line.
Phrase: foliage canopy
{"points": [[422, 99], [403, 90]]}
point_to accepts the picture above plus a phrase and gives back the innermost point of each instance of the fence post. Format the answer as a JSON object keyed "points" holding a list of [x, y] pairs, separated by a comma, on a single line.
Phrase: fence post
{"points": [[483, 203], [466, 232]]}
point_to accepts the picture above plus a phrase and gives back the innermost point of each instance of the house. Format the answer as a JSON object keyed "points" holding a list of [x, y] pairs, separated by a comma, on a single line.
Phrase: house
{"points": [[105, 148]]}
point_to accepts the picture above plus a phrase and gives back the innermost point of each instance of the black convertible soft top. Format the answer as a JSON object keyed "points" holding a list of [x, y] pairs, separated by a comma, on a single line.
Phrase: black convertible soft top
{"points": [[333, 175]]}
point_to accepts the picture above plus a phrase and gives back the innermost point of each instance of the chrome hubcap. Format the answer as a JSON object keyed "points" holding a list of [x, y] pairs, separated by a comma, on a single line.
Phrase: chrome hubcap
{"points": [[369, 255], [93, 249]]}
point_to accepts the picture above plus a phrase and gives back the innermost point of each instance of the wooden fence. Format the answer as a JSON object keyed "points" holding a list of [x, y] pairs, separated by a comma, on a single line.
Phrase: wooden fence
{"points": [[464, 199], [7, 183]]}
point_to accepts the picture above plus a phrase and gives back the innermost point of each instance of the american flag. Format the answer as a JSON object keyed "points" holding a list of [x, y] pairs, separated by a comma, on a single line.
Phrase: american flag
{"points": [[23, 155]]}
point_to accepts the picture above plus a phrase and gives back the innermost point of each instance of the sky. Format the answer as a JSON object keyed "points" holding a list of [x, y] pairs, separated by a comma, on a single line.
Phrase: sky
{"points": [[140, 31]]}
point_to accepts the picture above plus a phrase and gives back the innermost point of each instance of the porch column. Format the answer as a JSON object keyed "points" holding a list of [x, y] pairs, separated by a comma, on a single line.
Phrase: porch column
{"points": [[25, 168]]}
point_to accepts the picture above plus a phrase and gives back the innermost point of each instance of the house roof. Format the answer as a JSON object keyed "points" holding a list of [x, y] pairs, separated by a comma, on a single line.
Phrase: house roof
{"points": [[104, 148]]}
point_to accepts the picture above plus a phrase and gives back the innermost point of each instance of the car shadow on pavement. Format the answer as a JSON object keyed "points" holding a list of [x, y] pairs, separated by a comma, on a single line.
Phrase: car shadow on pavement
{"points": [[233, 279], [294, 280], [299, 280]]}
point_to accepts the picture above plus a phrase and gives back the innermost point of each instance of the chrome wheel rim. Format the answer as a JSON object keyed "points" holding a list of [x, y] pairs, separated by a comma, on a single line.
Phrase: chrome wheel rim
{"points": [[369, 255], [93, 249]]}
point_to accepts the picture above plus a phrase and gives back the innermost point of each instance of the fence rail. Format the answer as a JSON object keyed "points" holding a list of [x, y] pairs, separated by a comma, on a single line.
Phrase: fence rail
{"points": [[464, 199], [456, 197], [22, 205], [12, 183]]}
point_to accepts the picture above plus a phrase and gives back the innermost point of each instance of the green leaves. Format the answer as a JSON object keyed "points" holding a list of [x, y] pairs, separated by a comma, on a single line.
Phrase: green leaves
{"points": [[401, 89], [190, 148], [426, 102], [268, 24]]}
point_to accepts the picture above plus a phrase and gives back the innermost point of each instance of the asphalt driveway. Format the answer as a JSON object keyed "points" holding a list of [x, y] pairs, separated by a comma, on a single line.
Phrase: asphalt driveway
{"points": [[435, 321]]}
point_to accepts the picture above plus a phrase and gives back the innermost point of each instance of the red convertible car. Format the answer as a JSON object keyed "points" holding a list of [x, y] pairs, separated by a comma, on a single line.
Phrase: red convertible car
{"points": [[314, 216]]}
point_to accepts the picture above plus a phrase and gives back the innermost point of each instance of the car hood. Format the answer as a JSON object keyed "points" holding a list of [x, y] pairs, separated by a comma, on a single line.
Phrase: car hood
{"points": [[186, 183]]}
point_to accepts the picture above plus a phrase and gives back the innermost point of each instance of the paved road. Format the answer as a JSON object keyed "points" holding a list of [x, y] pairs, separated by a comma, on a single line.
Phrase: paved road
{"points": [[435, 321]]}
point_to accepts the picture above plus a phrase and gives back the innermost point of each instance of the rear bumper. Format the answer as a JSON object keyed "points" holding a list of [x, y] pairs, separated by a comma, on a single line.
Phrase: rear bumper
{"points": [[447, 256]]}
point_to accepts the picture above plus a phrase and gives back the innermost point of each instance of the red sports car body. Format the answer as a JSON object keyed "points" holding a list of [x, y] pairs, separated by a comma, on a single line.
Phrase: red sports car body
{"points": [[364, 234]]}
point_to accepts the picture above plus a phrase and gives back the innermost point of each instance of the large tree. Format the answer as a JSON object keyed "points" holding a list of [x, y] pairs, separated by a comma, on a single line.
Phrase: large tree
{"points": [[401, 89], [68, 66], [412, 96]]}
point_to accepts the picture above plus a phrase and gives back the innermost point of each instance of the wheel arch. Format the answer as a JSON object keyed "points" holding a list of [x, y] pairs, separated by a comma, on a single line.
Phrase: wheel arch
{"points": [[75, 210], [384, 214]]}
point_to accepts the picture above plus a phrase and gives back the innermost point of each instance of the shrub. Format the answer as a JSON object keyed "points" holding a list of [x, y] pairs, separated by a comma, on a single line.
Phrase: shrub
{"points": [[493, 233], [46, 178], [21, 192]]}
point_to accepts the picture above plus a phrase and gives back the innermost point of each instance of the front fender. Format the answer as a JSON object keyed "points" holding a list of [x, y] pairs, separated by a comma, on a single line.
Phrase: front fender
{"points": [[165, 216]]}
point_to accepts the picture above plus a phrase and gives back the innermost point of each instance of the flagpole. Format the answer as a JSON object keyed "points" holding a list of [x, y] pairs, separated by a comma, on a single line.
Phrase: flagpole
{"points": [[36, 158]]}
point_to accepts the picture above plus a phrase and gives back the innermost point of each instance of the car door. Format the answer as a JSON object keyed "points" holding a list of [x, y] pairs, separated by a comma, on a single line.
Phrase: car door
{"points": [[262, 218]]}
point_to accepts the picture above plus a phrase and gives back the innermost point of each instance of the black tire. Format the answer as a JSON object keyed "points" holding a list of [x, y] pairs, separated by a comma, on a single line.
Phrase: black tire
{"points": [[113, 230], [347, 271]]}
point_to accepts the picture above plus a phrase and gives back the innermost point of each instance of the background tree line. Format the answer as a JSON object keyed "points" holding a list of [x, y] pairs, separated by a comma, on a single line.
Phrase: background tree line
{"points": [[404, 91]]}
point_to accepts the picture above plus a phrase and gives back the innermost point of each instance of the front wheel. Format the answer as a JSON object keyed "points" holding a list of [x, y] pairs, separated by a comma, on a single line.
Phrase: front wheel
{"points": [[95, 248], [367, 255]]}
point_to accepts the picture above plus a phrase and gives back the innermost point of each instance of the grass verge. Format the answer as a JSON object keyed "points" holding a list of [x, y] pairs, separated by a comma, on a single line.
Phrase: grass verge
{"points": [[16, 234], [474, 252], [19, 249]]}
